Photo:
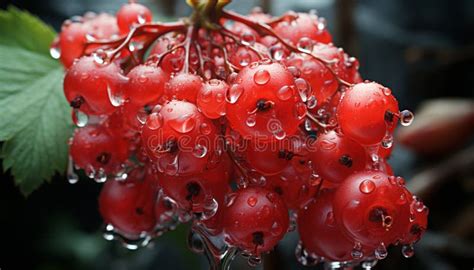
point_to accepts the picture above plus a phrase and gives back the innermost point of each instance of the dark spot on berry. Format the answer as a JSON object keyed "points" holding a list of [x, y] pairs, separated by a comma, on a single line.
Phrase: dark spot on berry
{"points": [[278, 190], [416, 229], [167, 204], [263, 105], [77, 102], [346, 160], [302, 161], [103, 158], [257, 238], [139, 211], [389, 116], [283, 154], [171, 146], [377, 214], [148, 109], [193, 189]]}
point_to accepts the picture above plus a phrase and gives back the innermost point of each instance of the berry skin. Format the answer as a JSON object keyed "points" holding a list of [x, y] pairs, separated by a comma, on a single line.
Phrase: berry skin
{"points": [[337, 156], [129, 205], [184, 86], [211, 98], [304, 26], [255, 219], [87, 85], [367, 112], [146, 84], [95, 148], [132, 14], [194, 193], [178, 139], [263, 104], [319, 232], [371, 209], [295, 184], [72, 38], [419, 220]]}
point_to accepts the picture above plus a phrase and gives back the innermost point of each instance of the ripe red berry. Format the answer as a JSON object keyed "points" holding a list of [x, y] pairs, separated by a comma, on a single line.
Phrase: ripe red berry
{"points": [[264, 104], [367, 112], [321, 235], [131, 15], [98, 150], [336, 156], [92, 87], [178, 139], [146, 84], [211, 98], [372, 209], [255, 219], [129, 205]]}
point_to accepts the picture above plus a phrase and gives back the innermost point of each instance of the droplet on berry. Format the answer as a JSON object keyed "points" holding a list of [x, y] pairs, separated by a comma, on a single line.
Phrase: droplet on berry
{"points": [[406, 118], [262, 77]]}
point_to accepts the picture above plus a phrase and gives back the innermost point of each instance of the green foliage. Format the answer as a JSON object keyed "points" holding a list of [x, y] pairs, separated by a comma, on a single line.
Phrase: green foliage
{"points": [[34, 116]]}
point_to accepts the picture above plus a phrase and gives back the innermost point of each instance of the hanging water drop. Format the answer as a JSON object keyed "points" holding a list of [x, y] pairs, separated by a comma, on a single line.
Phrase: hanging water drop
{"points": [[406, 118]]}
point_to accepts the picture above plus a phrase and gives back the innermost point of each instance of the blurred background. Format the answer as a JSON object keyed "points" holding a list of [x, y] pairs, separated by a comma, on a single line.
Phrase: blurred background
{"points": [[423, 50]]}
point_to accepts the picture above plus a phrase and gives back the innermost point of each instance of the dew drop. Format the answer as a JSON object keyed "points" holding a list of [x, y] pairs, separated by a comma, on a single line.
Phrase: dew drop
{"points": [[234, 93], [305, 45], [303, 88], [210, 208], [254, 260], [79, 118], [262, 77], [285, 93], [381, 252], [304, 257], [315, 180], [248, 38], [252, 201], [387, 91], [116, 98], [100, 176], [183, 124], [276, 52], [71, 175], [406, 118], [244, 59], [141, 19], [312, 102], [154, 121], [200, 151], [408, 251], [251, 120], [387, 141], [367, 186], [55, 52], [230, 199], [357, 252]]}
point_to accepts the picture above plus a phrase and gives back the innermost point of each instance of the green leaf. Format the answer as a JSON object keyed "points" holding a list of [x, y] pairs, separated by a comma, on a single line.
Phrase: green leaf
{"points": [[35, 117]]}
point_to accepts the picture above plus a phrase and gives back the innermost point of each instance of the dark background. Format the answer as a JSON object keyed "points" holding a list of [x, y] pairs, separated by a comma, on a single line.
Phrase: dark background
{"points": [[421, 49]]}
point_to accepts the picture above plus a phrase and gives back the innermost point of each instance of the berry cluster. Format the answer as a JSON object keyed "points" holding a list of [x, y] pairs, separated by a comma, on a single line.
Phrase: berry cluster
{"points": [[246, 126]]}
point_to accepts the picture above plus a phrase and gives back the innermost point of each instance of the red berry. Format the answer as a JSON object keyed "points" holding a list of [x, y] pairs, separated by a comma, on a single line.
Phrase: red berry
{"points": [[129, 205], [131, 15], [367, 113], [337, 156], [255, 219], [263, 103], [92, 87], [98, 149], [146, 84]]}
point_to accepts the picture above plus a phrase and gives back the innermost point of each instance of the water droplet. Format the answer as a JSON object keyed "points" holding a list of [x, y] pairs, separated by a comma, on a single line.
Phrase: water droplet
{"points": [[321, 24], [312, 102], [304, 257], [387, 141], [303, 88], [251, 120], [71, 175], [100, 176], [285, 93], [200, 151], [234, 93], [205, 129], [408, 251], [254, 260], [183, 124], [262, 77], [252, 201], [154, 121], [381, 252], [367, 186], [294, 71], [357, 252], [172, 167], [314, 180], [141, 19], [210, 208], [368, 265], [79, 118], [100, 57], [230, 199], [248, 38], [305, 45], [116, 98], [387, 91], [55, 52], [244, 58], [406, 118], [276, 52], [195, 242]]}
